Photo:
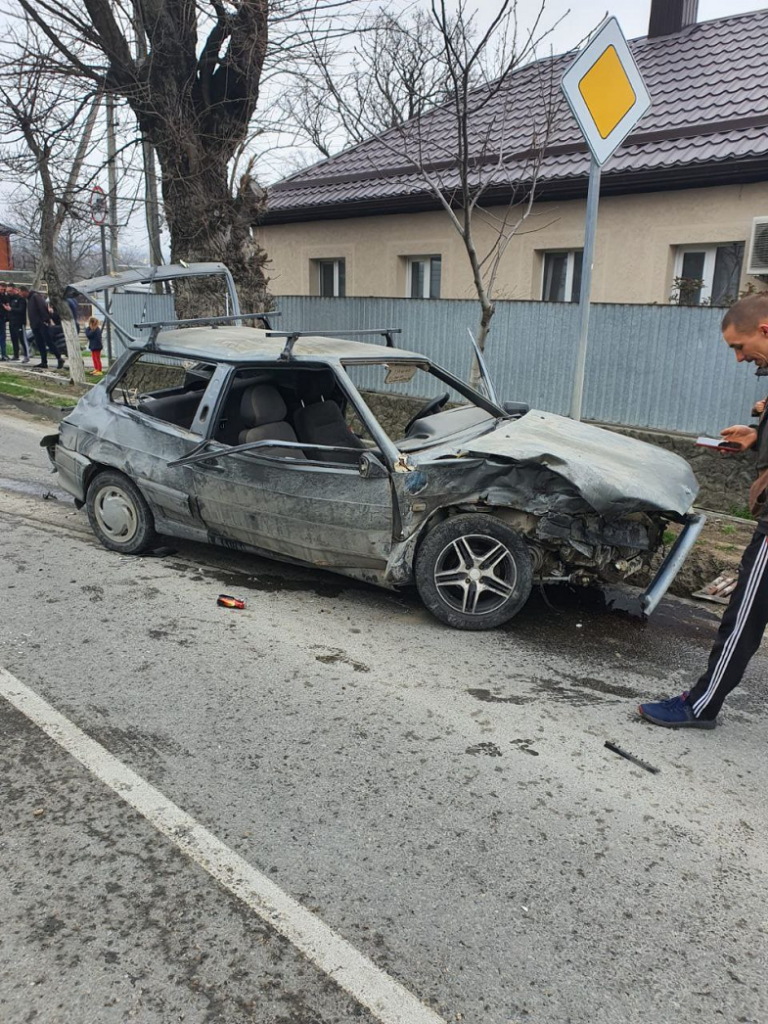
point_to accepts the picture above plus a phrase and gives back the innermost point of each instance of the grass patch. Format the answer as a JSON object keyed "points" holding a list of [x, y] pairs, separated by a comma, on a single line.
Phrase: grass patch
{"points": [[740, 512], [668, 538], [41, 390], [728, 528], [10, 387]]}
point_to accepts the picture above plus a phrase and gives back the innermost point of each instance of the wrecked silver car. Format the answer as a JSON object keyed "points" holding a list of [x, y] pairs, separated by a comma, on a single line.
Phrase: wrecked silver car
{"points": [[315, 450]]}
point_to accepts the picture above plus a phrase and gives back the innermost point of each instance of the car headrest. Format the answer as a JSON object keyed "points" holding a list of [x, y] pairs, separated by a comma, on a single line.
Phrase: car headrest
{"points": [[262, 404], [316, 385]]}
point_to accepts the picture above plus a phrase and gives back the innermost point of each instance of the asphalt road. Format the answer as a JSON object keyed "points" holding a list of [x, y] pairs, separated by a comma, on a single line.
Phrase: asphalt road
{"points": [[442, 801]]}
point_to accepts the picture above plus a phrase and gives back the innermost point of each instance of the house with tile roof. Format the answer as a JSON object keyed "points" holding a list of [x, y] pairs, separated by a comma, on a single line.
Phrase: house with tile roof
{"points": [[680, 197]]}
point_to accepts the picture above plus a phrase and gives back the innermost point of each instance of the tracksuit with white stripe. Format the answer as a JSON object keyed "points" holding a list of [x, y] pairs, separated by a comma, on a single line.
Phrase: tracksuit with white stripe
{"points": [[746, 616]]}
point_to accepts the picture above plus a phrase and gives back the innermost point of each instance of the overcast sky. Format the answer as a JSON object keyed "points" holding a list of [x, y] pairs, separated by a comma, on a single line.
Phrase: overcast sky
{"points": [[633, 15]]}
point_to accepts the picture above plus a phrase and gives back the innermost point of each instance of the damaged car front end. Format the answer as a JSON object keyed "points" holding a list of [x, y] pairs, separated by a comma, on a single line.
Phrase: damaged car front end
{"points": [[592, 505]]}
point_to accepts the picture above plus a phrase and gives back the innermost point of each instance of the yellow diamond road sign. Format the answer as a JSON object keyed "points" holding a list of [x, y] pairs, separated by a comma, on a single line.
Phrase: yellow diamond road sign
{"points": [[605, 91]]}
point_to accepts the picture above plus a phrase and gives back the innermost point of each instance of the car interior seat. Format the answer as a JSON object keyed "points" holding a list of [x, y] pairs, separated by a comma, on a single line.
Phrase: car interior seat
{"points": [[262, 415], [319, 420]]}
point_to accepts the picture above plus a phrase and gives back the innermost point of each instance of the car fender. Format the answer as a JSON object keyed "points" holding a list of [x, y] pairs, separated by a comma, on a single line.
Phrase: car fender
{"points": [[399, 571]]}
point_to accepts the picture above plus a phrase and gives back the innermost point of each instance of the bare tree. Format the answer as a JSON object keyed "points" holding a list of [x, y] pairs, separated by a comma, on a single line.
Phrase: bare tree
{"points": [[395, 71], [479, 153], [47, 127], [466, 157], [191, 70], [77, 251]]}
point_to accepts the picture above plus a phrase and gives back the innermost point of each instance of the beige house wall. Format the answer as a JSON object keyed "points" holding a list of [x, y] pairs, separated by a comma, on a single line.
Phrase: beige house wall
{"points": [[636, 242]]}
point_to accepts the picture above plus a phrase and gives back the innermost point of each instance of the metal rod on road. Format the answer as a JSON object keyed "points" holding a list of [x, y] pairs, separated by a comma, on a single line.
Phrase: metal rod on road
{"points": [[593, 198]]}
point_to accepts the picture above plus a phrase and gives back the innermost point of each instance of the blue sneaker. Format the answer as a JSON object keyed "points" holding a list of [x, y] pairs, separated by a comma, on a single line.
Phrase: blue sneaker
{"points": [[675, 713]]}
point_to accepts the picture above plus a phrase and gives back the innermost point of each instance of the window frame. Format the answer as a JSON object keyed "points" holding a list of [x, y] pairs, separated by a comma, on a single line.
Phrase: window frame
{"points": [[335, 262], [201, 424], [427, 260], [260, 449], [710, 251], [570, 270], [708, 276]]}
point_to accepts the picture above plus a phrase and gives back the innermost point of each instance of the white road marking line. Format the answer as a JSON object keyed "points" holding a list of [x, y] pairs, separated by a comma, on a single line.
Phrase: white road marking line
{"points": [[387, 999]]}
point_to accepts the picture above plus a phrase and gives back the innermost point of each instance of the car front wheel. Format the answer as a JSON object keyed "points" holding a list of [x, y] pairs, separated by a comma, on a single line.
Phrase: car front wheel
{"points": [[118, 513], [473, 572]]}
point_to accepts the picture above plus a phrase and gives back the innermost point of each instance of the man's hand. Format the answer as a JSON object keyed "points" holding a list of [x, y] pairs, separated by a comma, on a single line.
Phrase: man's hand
{"points": [[744, 437]]}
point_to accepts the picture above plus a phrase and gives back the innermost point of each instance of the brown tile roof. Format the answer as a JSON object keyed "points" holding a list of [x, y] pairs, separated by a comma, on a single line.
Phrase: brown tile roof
{"points": [[708, 125]]}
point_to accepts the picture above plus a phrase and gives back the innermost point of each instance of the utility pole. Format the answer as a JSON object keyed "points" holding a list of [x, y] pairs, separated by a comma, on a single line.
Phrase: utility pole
{"points": [[112, 182], [152, 205]]}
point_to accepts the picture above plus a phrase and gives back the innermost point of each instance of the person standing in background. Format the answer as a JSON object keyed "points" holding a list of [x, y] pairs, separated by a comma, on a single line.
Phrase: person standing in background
{"points": [[93, 334], [4, 311], [17, 323], [71, 298], [39, 315]]}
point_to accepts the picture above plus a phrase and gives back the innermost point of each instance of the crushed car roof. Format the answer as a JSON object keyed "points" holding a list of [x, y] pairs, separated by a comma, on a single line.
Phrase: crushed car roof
{"points": [[249, 344]]}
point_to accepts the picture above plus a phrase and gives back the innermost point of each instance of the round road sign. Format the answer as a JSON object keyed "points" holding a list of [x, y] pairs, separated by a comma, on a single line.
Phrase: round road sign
{"points": [[98, 205]]}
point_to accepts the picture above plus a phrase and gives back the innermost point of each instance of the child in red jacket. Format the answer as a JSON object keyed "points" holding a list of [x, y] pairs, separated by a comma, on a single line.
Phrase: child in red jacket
{"points": [[93, 334]]}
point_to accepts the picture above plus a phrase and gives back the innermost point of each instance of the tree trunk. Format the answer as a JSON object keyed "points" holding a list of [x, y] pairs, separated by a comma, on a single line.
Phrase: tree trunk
{"points": [[49, 272], [488, 309], [208, 224]]}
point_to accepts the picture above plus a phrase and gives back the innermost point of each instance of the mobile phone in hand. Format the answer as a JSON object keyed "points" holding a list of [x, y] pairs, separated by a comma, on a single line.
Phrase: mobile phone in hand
{"points": [[718, 442]]}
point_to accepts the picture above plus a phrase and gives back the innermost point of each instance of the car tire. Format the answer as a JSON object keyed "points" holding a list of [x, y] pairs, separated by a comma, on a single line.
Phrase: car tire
{"points": [[473, 572], [118, 513]]}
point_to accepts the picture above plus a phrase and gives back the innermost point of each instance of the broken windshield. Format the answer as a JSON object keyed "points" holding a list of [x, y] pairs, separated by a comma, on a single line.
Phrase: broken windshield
{"points": [[413, 405]]}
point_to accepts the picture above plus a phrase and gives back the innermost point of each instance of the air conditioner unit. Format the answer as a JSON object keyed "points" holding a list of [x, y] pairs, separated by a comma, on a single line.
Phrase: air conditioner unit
{"points": [[757, 262]]}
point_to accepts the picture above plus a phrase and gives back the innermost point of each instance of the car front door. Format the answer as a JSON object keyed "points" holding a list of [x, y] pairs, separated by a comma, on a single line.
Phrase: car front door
{"points": [[317, 512]]}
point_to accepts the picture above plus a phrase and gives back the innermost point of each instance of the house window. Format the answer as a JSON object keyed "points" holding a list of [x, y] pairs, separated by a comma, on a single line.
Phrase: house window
{"points": [[707, 275], [423, 278], [562, 276], [332, 278]]}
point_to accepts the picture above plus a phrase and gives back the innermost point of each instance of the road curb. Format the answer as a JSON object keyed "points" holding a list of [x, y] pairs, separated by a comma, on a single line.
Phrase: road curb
{"points": [[46, 412]]}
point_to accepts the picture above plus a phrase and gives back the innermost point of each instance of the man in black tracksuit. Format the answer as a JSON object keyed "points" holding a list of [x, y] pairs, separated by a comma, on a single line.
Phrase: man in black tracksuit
{"points": [[745, 329]]}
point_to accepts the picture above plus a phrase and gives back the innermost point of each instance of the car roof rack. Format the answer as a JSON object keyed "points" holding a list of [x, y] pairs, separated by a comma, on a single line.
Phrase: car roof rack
{"points": [[293, 336], [211, 321]]}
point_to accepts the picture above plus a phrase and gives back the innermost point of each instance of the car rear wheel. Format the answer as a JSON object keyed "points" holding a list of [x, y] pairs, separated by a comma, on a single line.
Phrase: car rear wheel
{"points": [[118, 513], [473, 572]]}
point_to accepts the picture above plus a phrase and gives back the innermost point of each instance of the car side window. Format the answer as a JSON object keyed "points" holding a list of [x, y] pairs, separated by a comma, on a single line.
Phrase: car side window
{"points": [[164, 387], [296, 413]]}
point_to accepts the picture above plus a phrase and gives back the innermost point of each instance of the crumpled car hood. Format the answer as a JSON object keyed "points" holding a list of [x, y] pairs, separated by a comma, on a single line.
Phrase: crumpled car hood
{"points": [[614, 474]]}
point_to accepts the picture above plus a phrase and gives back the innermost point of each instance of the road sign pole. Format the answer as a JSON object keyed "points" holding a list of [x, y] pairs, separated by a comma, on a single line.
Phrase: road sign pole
{"points": [[608, 97], [593, 199]]}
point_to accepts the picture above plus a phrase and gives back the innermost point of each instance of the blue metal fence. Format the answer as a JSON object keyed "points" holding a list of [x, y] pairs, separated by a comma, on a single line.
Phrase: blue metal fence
{"points": [[664, 367]]}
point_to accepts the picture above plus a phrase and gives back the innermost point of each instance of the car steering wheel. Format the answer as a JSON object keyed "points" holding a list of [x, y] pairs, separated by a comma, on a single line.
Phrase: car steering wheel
{"points": [[433, 406]]}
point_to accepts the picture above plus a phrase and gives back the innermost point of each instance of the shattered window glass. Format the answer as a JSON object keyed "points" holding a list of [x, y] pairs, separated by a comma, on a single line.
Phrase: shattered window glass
{"points": [[163, 387], [396, 391]]}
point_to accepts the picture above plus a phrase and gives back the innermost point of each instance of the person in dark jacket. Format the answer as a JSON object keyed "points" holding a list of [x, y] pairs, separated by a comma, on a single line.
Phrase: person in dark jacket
{"points": [[5, 309], [17, 322], [745, 330], [71, 298], [93, 334], [40, 321]]}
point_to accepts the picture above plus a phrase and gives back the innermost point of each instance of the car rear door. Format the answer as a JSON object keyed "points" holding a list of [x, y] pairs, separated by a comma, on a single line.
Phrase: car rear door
{"points": [[135, 439]]}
